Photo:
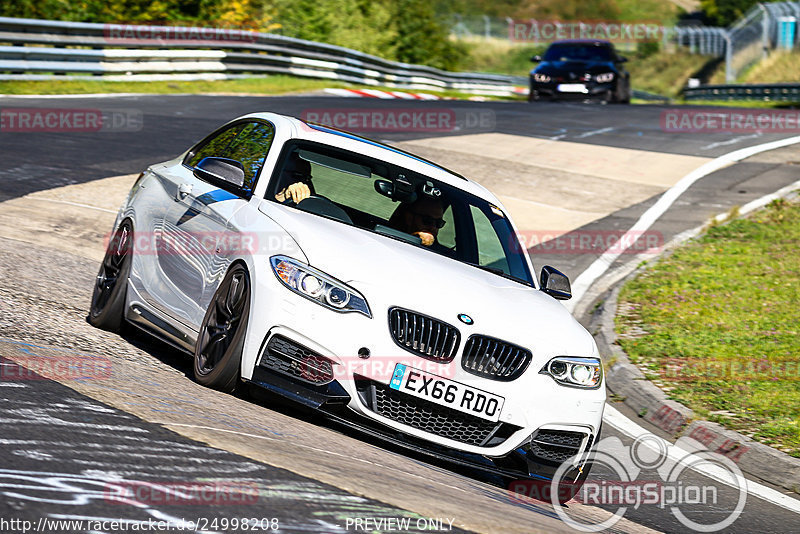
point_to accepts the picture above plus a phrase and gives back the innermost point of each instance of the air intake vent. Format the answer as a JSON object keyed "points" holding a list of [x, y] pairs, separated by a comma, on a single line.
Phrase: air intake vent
{"points": [[492, 358], [423, 335], [557, 446], [287, 357]]}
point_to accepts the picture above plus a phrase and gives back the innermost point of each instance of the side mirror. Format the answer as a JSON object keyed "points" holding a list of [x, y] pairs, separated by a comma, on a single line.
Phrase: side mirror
{"points": [[555, 283], [536, 59], [622, 59], [221, 171]]}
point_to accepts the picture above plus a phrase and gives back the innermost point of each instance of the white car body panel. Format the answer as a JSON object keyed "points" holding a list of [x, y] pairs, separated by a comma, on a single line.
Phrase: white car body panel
{"points": [[387, 272]]}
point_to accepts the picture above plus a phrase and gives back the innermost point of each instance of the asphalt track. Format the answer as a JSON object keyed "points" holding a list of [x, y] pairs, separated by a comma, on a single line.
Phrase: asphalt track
{"points": [[47, 427]]}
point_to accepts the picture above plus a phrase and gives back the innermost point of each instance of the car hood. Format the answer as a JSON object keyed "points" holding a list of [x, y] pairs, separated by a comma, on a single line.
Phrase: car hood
{"points": [[557, 68], [389, 273]]}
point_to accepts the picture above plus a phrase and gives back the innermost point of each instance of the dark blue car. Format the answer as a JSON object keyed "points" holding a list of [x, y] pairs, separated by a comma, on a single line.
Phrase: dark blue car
{"points": [[583, 69]]}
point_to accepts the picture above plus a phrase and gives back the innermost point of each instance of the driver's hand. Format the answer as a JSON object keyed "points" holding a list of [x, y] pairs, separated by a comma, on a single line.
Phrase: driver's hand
{"points": [[297, 191], [427, 238]]}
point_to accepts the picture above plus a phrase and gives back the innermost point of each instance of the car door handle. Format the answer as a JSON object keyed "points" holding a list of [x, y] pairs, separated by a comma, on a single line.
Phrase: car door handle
{"points": [[183, 190]]}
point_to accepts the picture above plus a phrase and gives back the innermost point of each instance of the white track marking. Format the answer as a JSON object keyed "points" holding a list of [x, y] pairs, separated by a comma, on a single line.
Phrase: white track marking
{"points": [[613, 417], [649, 217], [594, 132], [341, 92], [378, 94], [730, 141]]}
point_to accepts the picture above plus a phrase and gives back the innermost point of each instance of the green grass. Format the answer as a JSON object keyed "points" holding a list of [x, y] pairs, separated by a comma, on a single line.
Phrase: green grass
{"points": [[716, 325], [779, 67], [742, 103], [664, 73], [267, 85], [660, 11], [500, 56], [277, 84]]}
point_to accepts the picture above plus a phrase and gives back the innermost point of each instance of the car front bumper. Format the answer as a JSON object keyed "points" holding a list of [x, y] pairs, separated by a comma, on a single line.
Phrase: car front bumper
{"points": [[572, 90], [329, 375]]}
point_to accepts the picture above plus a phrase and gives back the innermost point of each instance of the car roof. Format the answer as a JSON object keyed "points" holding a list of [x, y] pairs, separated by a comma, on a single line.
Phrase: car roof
{"points": [[374, 149]]}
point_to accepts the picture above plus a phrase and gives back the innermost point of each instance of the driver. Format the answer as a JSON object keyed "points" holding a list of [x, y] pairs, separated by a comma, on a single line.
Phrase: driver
{"points": [[296, 173], [422, 218]]}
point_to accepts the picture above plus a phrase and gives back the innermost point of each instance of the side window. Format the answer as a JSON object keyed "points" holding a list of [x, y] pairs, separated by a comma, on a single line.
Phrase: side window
{"points": [[250, 148], [216, 146], [490, 249], [447, 234]]}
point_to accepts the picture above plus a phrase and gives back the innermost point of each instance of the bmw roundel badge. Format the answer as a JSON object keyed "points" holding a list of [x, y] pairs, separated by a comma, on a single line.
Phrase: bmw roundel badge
{"points": [[466, 319]]}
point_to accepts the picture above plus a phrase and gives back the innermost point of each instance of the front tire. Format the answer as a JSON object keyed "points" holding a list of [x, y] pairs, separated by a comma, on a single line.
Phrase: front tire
{"points": [[218, 352], [110, 289]]}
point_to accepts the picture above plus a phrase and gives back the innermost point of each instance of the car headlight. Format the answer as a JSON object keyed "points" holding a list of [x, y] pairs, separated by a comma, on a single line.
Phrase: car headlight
{"points": [[539, 77], [318, 286], [605, 77], [574, 371]]}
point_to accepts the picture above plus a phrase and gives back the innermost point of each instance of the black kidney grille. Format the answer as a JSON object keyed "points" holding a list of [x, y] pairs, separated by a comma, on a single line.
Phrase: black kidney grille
{"points": [[423, 335], [287, 357], [492, 358], [556, 446]]}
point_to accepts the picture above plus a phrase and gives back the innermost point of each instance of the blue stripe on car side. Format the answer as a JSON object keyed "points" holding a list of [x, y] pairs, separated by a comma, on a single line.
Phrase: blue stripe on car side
{"points": [[216, 195]]}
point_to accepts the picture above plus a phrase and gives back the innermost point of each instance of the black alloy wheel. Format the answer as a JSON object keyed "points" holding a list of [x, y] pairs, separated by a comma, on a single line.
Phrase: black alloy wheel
{"points": [[218, 352], [108, 298]]}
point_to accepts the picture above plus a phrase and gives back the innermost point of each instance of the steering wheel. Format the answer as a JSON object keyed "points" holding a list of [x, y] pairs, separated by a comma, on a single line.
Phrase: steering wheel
{"points": [[320, 205], [289, 201]]}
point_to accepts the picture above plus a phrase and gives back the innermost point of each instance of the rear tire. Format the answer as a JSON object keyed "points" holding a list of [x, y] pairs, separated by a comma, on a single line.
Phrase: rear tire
{"points": [[110, 289], [218, 351]]}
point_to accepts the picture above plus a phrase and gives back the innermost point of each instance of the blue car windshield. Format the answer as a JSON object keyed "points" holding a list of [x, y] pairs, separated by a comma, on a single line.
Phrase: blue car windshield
{"points": [[578, 52]]}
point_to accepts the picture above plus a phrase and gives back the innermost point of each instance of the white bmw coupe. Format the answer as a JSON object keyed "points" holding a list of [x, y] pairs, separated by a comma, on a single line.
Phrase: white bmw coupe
{"points": [[362, 281]]}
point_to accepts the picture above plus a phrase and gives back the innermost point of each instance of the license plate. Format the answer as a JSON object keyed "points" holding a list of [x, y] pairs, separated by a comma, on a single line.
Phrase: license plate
{"points": [[446, 392], [572, 88]]}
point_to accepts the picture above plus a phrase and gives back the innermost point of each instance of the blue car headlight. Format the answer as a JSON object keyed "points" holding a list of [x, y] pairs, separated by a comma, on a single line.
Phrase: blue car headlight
{"points": [[317, 286], [539, 77], [574, 371]]}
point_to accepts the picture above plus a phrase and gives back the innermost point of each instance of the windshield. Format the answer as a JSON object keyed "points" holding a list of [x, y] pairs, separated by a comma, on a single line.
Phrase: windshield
{"points": [[578, 52], [400, 204]]}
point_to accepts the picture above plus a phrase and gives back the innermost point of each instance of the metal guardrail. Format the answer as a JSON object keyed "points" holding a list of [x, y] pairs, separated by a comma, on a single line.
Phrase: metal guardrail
{"points": [[31, 49], [781, 92]]}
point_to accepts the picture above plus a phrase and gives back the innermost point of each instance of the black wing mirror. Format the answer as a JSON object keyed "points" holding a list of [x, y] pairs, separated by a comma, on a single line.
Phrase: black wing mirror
{"points": [[220, 171], [555, 283], [537, 58], [622, 59]]}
